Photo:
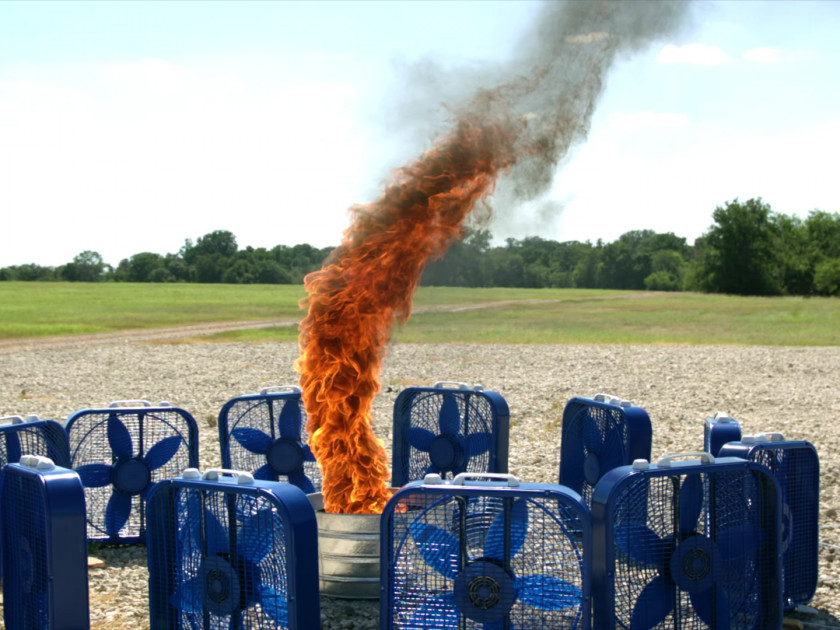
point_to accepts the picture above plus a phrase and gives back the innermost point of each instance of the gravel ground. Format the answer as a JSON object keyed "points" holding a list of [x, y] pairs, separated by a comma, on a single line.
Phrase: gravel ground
{"points": [[792, 390]]}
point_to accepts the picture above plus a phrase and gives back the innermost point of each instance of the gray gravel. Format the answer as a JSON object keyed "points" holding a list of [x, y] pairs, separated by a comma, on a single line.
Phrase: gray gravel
{"points": [[792, 390]]}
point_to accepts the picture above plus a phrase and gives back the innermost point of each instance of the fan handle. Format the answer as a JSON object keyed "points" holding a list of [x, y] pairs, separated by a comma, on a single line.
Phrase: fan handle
{"points": [[294, 389], [613, 400], [769, 436], [456, 385], [705, 458], [131, 403], [242, 477], [37, 462], [462, 478]]}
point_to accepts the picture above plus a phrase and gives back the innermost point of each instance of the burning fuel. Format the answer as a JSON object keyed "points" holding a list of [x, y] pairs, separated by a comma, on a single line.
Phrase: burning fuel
{"points": [[520, 128]]}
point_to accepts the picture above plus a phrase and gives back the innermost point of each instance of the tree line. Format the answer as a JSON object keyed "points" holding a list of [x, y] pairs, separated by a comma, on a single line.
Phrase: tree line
{"points": [[748, 250]]}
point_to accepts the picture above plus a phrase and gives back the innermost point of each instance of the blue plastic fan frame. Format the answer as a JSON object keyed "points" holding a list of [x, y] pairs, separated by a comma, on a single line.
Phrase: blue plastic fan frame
{"points": [[120, 452], [33, 436], [597, 435], [719, 430], [226, 550], [45, 573], [484, 551], [448, 429], [265, 434], [797, 467], [687, 544]]}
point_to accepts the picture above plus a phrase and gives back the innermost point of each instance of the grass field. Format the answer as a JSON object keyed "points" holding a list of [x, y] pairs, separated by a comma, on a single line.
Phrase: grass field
{"points": [[442, 315]]}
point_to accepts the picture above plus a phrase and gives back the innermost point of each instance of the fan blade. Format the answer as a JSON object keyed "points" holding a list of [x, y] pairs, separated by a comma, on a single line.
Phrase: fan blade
{"points": [[440, 549], [420, 438], [119, 438], [439, 611], [593, 440], [449, 420], [252, 440], [494, 542], [712, 606], [117, 512], [187, 596], [255, 539], [188, 530], [691, 502], [547, 592], [642, 544], [266, 473], [94, 475], [571, 469], [478, 444], [736, 542], [612, 454], [275, 605], [290, 420], [160, 454], [215, 534], [653, 605], [299, 479], [13, 452], [308, 455]]}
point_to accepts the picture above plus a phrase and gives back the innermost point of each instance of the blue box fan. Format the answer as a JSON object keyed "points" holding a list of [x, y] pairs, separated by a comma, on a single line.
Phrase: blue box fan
{"points": [[719, 430], [120, 452], [45, 572], [265, 434], [687, 544], [448, 429], [228, 551], [797, 467], [597, 435], [33, 436], [484, 552]]}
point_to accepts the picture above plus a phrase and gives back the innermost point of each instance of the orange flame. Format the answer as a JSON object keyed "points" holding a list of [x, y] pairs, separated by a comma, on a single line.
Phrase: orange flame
{"points": [[364, 286]]}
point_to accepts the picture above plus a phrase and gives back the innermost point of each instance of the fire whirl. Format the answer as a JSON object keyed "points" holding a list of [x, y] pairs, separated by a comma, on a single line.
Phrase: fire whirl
{"points": [[364, 287], [542, 103]]}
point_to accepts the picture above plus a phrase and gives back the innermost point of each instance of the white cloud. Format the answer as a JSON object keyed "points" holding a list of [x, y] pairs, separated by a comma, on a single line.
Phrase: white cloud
{"points": [[694, 54], [763, 55]]}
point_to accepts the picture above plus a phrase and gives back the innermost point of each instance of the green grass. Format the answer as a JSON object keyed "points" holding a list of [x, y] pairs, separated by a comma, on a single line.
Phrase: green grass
{"points": [[681, 318], [532, 316], [39, 309]]}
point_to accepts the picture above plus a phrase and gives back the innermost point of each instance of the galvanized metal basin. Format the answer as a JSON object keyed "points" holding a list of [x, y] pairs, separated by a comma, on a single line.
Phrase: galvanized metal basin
{"points": [[348, 553]]}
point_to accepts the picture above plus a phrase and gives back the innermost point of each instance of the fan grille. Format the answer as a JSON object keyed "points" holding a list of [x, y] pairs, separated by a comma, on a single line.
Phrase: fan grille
{"points": [[45, 438], [89, 445], [225, 559], [25, 565], [797, 469], [262, 414], [684, 544], [597, 442], [485, 588], [475, 418]]}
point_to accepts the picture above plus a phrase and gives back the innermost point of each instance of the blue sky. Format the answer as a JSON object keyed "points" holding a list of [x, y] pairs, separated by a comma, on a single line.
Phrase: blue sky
{"points": [[131, 126]]}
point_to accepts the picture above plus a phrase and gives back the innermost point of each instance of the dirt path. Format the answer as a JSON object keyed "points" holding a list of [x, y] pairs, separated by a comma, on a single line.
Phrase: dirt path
{"points": [[146, 335]]}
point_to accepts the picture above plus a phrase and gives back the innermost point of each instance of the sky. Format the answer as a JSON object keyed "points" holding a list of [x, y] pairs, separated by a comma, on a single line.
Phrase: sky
{"points": [[129, 127]]}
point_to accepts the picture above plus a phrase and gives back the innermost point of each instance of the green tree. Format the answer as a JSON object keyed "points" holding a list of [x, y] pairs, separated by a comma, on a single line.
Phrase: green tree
{"points": [[140, 267], [668, 271], [827, 276], [87, 266], [740, 255]]}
